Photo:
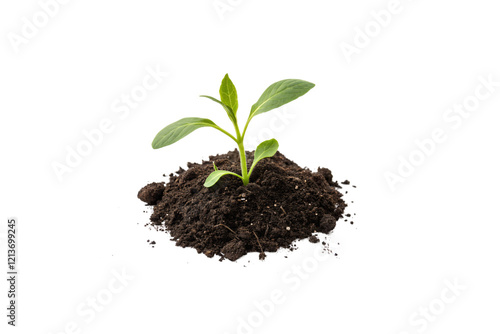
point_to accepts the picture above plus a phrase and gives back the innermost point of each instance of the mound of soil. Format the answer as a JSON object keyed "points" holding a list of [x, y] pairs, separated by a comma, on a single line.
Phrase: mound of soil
{"points": [[282, 203]]}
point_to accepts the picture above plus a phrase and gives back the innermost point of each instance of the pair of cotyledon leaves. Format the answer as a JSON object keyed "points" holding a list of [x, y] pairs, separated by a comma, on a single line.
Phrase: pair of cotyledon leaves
{"points": [[274, 96]]}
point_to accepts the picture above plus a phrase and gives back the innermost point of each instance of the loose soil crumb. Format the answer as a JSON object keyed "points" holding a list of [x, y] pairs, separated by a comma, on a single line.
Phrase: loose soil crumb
{"points": [[314, 239], [152, 193], [283, 203]]}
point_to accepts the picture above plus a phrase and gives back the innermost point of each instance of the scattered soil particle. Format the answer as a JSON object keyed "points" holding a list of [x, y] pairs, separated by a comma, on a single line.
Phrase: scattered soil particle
{"points": [[282, 203], [314, 239], [346, 182]]}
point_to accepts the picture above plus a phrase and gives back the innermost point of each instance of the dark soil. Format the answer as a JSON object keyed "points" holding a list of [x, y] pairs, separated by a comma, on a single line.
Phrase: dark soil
{"points": [[283, 203]]}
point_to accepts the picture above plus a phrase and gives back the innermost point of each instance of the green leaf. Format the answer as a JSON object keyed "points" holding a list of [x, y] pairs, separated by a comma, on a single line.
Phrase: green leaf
{"points": [[180, 129], [227, 108], [215, 167], [228, 94], [216, 175], [280, 93], [266, 149]]}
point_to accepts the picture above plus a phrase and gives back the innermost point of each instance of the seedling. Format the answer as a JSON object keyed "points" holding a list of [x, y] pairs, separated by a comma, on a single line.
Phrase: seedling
{"points": [[276, 95]]}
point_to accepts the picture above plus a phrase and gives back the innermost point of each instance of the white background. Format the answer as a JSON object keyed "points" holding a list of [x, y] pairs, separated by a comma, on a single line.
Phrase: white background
{"points": [[440, 225]]}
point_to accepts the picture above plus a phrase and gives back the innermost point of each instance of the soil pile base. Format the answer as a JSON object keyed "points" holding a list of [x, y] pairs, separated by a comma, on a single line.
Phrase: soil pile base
{"points": [[282, 203]]}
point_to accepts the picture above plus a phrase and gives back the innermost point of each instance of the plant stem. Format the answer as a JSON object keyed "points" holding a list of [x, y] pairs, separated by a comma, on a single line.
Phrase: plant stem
{"points": [[225, 132], [246, 126], [243, 157]]}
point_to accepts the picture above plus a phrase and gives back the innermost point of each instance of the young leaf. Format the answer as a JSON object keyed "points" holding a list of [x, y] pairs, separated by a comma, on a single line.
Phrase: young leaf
{"points": [[216, 175], [215, 167], [227, 108], [266, 149], [280, 93], [180, 129], [228, 94]]}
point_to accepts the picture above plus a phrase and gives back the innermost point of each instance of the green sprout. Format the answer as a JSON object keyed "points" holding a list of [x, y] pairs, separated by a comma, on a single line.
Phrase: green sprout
{"points": [[274, 96]]}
